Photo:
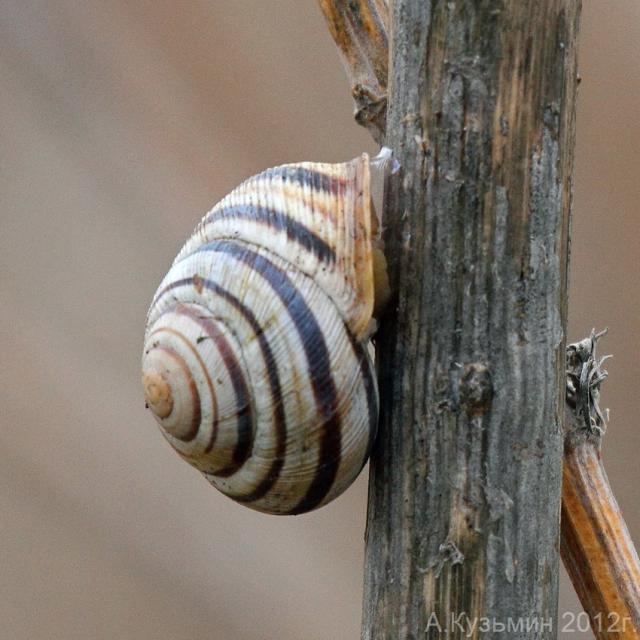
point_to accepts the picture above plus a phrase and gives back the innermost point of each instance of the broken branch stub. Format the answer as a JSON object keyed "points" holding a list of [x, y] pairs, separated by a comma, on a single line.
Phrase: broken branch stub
{"points": [[359, 29], [596, 547]]}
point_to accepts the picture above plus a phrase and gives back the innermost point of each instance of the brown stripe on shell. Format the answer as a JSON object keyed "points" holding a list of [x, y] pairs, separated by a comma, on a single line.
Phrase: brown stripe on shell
{"points": [[307, 183], [244, 442], [304, 177], [318, 365], [279, 418], [187, 342], [195, 395], [278, 221]]}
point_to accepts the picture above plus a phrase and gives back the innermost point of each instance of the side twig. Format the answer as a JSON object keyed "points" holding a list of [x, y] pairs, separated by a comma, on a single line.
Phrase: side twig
{"points": [[359, 30], [596, 548]]}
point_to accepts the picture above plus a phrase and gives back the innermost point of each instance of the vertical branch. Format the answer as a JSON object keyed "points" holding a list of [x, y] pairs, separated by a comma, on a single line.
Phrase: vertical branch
{"points": [[359, 30], [596, 546], [465, 480]]}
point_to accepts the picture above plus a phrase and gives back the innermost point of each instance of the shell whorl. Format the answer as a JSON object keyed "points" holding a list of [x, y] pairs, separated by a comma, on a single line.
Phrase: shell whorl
{"points": [[257, 363]]}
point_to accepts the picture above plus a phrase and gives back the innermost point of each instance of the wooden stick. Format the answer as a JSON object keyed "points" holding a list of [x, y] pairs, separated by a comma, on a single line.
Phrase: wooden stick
{"points": [[465, 479], [359, 29], [596, 547]]}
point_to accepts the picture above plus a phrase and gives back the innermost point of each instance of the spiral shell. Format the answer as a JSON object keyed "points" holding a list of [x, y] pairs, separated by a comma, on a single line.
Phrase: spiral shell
{"points": [[257, 362]]}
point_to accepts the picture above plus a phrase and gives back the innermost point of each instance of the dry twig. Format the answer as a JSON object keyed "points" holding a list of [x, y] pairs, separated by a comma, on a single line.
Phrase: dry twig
{"points": [[359, 29], [595, 544]]}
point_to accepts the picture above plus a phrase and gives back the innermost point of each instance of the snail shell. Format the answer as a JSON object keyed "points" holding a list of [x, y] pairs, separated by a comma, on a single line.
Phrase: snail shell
{"points": [[257, 361]]}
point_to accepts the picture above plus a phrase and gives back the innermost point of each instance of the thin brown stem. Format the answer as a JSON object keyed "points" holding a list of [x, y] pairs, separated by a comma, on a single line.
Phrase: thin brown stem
{"points": [[596, 547], [359, 29]]}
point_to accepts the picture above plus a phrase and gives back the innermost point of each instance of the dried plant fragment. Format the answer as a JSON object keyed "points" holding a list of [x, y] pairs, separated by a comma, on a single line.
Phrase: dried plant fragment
{"points": [[596, 547], [359, 29]]}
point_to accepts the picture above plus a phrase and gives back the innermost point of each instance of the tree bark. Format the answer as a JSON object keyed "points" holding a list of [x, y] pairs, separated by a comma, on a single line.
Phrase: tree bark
{"points": [[463, 522]]}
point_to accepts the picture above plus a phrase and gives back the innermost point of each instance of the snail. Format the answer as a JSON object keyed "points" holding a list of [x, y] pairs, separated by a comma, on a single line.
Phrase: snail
{"points": [[258, 363]]}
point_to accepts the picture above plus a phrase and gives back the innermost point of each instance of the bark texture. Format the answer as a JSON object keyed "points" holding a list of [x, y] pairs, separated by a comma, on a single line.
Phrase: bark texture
{"points": [[464, 504]]}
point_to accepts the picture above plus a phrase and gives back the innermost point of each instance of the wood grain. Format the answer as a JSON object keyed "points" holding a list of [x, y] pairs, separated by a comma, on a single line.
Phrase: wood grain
{"points": [[465, 480]]}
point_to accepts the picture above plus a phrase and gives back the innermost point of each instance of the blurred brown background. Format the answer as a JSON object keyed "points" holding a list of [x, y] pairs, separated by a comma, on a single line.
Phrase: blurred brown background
{"points": [[120, 124]]}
